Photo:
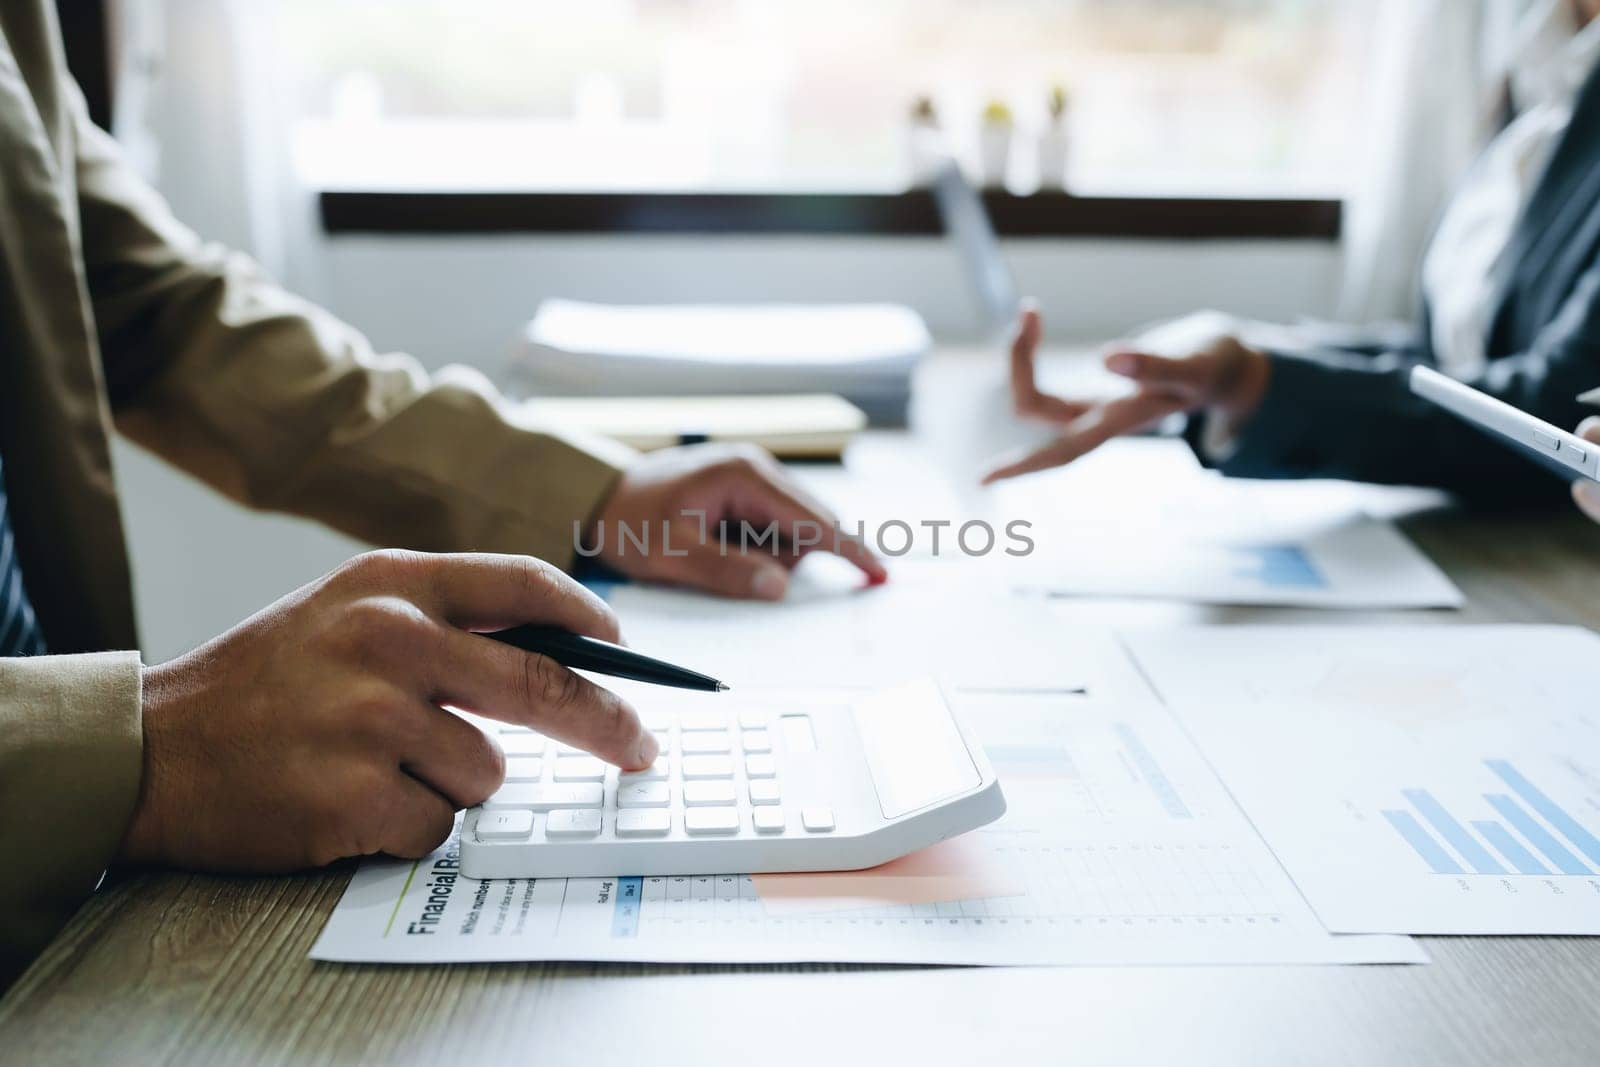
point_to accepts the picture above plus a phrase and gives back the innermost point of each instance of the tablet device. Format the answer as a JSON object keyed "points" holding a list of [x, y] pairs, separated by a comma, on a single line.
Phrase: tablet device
{"points": [[1567, 454]]}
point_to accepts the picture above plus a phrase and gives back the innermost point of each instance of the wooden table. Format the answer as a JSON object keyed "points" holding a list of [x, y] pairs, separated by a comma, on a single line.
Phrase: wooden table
{"points": [[186, 969]]}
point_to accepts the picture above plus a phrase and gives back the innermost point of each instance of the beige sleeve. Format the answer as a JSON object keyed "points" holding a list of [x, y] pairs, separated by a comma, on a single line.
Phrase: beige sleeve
{"points": [[70, 766], [282, 406]]}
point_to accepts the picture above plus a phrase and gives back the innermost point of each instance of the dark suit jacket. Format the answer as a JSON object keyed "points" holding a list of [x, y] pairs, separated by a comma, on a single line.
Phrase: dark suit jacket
{"points": [[1350, 414]]}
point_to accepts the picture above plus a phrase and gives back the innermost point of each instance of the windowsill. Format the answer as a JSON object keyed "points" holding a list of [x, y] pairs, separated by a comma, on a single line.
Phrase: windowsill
{"points": [[906, 214]]}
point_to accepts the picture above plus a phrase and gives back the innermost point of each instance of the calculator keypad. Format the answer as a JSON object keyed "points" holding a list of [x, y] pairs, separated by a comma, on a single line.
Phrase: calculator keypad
{"points": [[716, 776]]}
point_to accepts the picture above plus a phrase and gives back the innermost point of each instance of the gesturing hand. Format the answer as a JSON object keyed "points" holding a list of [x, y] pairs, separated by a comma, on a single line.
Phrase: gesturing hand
{"points": [[315, 730], [682, 498], [1226, 378]]}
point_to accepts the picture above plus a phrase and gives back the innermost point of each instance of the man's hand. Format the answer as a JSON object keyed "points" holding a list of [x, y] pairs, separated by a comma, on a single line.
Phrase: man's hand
{"points": [[316, 729], [1226, 378], [1584, 491], [707, 510]]}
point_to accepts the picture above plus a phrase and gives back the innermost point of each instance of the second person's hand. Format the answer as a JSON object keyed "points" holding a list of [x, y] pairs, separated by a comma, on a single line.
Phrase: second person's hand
{"points": [[1226, 378]]}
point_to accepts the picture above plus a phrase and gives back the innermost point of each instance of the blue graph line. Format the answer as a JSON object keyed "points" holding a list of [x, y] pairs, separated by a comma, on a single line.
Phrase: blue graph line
{"points": [[1553, 813], [1509, 847], [1153, 775], [1454, 833], [1542, 839], [1432, 853]]}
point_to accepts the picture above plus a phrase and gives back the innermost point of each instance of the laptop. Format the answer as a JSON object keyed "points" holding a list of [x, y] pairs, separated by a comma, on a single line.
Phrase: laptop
{"points": [[967, 223]]}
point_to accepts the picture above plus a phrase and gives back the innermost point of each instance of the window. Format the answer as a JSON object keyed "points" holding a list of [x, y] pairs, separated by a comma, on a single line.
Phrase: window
{"points": [[1236, 98]]}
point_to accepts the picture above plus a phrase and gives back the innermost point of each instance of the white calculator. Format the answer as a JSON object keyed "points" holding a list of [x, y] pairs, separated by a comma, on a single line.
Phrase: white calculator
{"points": [[744, 785]]}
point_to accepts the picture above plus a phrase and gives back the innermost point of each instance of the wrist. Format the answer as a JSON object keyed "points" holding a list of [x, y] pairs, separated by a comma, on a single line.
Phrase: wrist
{"points": [[143, 844], [1245, 388]]}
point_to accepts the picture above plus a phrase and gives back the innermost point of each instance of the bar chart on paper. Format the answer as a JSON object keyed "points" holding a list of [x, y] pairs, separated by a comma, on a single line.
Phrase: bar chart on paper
{"points": [[1532, 834], [1417, 780]]}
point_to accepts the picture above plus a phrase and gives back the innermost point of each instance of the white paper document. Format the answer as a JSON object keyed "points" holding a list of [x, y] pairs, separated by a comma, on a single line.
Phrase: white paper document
{"points": [[1441, 780], [1120, 846], [932, 617], [1140, 519]]}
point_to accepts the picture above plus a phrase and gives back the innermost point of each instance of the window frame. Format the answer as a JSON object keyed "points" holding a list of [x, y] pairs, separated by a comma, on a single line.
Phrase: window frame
{"points": [[907, 214]]}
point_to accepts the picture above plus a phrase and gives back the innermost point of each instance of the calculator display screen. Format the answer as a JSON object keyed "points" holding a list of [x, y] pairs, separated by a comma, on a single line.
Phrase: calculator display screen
{"points": [[914, 749]]}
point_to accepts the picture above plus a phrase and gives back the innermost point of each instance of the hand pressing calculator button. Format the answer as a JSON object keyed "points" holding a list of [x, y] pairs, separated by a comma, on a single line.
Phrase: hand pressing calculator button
{"points": [[738, 788]]}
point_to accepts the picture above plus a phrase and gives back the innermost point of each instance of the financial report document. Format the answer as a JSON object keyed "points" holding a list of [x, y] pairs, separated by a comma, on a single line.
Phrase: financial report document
{"points": [[1119, 846], [1426, 780]]}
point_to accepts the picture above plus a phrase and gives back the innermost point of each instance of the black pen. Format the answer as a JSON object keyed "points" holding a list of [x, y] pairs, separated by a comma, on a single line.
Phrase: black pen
{"points": [[602, 657]]}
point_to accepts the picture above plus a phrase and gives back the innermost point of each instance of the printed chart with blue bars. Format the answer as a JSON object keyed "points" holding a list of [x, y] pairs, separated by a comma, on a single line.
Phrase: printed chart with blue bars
{"points": [[1532, 835]]}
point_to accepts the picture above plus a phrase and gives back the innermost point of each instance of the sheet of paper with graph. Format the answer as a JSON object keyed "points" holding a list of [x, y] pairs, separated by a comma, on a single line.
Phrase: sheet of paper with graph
{"points": [[1429, 779], [1142, 520], [1120, 846]]}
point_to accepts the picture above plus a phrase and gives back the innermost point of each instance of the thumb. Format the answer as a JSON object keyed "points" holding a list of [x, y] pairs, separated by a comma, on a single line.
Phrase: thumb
{"points": [[729, 572]]}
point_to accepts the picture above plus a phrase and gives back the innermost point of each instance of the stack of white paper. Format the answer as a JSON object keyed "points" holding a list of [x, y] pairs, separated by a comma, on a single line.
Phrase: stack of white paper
{"points": [[863, 352]]}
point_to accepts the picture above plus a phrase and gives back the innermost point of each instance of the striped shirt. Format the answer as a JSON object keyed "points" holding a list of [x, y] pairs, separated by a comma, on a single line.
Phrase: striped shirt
{"points": [[19, 629]]}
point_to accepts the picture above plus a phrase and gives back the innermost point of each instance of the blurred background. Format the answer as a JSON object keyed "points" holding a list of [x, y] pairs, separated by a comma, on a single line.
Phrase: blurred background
{"points": [[432, 170]]}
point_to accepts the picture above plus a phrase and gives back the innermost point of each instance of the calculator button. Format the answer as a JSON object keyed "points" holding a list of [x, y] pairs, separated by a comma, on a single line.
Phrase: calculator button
{"points": [[817, 820], [760, 767], [522, 744], [704, 742], [507, 825], [703, 721], [568, 750], [655, 720], [707, 794], [508, 728], [711, 820], [764, 791], [546, 797], [569, 823], [707, 767], [580, 769], [656, 771], [644, 795], [644, 822], [756, 741], [524, 769], [768, 820], [754, 720]]}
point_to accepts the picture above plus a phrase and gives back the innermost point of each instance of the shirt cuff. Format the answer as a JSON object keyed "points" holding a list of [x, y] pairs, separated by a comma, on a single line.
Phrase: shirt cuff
{"points": [[71, 759]]}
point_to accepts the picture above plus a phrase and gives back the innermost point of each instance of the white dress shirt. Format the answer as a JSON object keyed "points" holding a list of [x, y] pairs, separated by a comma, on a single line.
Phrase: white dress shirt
{"points": [[1549, 60]]}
